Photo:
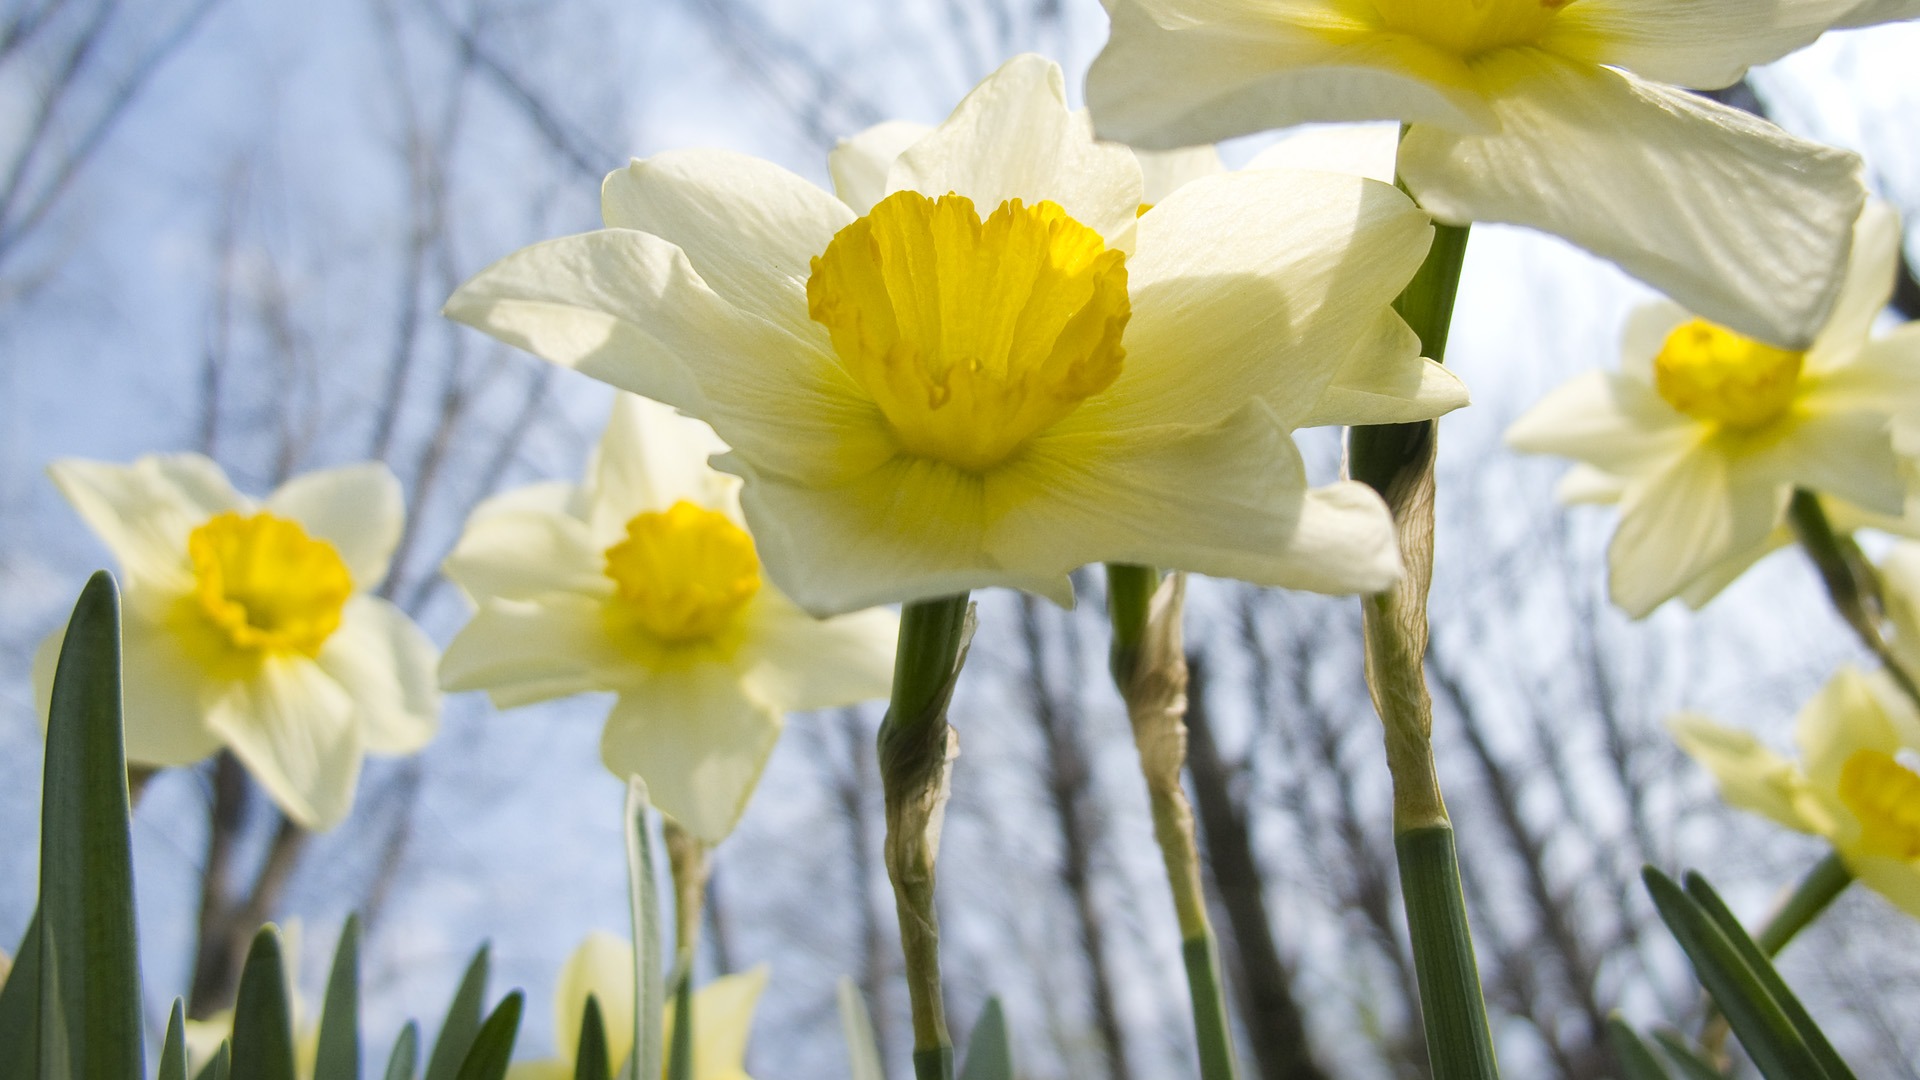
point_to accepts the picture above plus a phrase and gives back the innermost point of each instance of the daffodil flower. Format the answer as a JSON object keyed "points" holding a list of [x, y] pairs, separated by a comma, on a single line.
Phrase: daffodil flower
{"points": [[642, 580], [1563, 115], [1703, 434], [250, 625], [602, 967], [1000, 370], [1855, 783]]}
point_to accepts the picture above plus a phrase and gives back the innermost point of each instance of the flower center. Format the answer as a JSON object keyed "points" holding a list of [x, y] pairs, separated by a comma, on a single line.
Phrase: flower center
{"points": [[683, 574], [1469, 28], [972, 336], [1885, 796], [1713, 374], [267, 585]]}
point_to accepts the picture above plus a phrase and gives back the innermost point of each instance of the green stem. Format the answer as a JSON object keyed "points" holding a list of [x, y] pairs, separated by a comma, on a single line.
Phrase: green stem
{"points": [[1825, 882], [1459, 1043], [680, 1061], [914, 749], [1129, 600], [1209, 1007], [1851, 582]]}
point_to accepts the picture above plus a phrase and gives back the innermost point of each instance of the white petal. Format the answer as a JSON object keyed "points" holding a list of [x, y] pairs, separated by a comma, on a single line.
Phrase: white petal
{"points": [[1844, 718], [722, 1021], [1849, 454], [295, 730], [1705, 44], [650, 458], [521, 652], [1865, 291], [358, 509], [1871, 12], [1612, 422], [1726, 571], [1162, 172], [1648, 327], [1751, 776], [749, 227], [601, 967], [555, 497], [1682, 520], [1729, 215], [1233, 299], [697, 740], [1896, 879], [1013, 138], [161, 691], [387, 664], [1385, 380], [1182, 74], [797, 662], [1365, 150], [859, 164], [519, 555], [1585, 484], [144, 511]]}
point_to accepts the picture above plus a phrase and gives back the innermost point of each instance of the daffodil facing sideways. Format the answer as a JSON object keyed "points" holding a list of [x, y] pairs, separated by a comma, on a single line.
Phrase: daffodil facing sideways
{"points": [[994, 368], [602, 968], [1703, 434], [1856, 783], [643, 580], [251, 625], [1564, 115]]}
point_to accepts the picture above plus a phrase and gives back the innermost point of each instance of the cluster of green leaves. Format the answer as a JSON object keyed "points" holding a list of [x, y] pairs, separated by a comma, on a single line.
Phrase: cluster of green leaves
{"points": [[71, 1006]]}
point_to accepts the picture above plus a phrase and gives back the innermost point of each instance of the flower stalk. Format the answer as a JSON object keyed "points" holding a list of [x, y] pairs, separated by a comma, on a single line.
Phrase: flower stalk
{"points": [[916, 751], [1816, 891], [1397, 461], [1149, 665], [1850, 580]]}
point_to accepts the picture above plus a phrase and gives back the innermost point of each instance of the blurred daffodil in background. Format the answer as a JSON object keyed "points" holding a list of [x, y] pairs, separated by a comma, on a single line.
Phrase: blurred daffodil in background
{"points": [[1703, 434], [1855, 783], [1000, 370], [602, 968], [1565, 116], [251, 625], [643, 580]]}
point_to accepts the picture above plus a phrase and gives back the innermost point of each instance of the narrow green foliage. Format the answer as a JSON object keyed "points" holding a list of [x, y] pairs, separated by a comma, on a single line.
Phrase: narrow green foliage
{"points": [[55, 1061], [20, 1009], [989, 1051], [339, 1055], [643, 896], [1815, 892], [462, 1022], [262, 1015], [1459, 1042], [406, 1053], [1763, 1027], [680, 1055], [173, 1048], [492, 1047], [86, 857], [1637, 1062], [220, 1066], [590, 1054], [856, 1025], [1681, 1053]]}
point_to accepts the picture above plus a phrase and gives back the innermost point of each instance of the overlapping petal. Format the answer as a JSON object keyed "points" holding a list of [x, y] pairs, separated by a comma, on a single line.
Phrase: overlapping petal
{"points": [[144, 511], [358, 509], [295, 729], [699, 741]]}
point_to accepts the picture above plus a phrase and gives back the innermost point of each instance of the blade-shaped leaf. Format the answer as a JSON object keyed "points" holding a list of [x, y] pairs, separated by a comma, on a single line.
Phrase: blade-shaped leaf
{"points": [[989, 1054], [86, 856], [492, 1046], [20, 1009], [406, 1053], [462, 1022], [56, 1060], [262, 1015], [220, 1065], [1691, 1064], [339, 1053], [643, 894], [590, 1054], [173, 1050], [856, 1025], [680, 1054], [1637, 1062]]}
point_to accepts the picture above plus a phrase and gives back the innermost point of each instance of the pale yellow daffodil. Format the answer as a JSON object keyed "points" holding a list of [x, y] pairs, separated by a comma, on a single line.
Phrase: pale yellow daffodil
{"points": [[1000, 371], [602, 967], [1564, 115], [252, 625], [1702, 435], [643, 580], [1855, 783]]}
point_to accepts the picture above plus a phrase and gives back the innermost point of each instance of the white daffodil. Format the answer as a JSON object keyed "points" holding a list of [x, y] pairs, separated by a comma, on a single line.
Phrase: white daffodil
{"points": [[602, 968], [250, 625], [1703, 434], [1563, 115], [642, 580], [1001, 370], [1855, 784]]}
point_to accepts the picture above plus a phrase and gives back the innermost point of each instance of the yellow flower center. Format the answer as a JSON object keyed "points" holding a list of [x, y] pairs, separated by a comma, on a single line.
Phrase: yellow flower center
{"points": [[1713, 374], [266, 585], [1470, 28], [972, 336], [683, 574], [1885, 796]]}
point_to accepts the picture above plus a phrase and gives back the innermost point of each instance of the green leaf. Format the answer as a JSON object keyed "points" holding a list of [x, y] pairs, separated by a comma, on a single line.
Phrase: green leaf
{"points": [[1769, 977], [680, 1056], [462, 1022], [492, 1046], [56, 1061], [339, 1053], [262, 1015], [406, 1053], [1681, 1053], [220, 1066], [20, 1009], [856, 1025], [86, 857], [1637, 1062], [989, 1054], [590, 1055], [643, 894], [1763, 1028], [173, 1050]]}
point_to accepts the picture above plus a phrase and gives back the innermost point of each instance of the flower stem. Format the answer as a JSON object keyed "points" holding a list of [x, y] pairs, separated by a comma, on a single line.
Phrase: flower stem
{"points": [[1397, 461], [1851, 582], [1822, 885], [1149, 666], [916, 749]]}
